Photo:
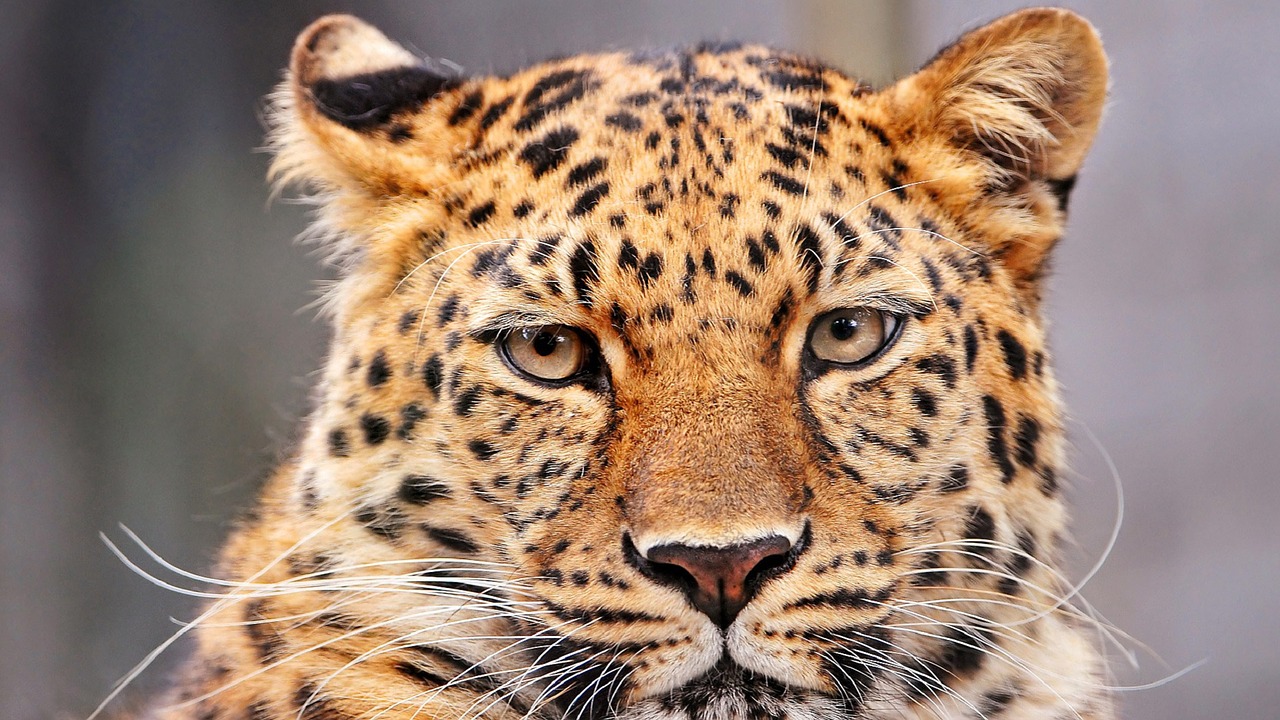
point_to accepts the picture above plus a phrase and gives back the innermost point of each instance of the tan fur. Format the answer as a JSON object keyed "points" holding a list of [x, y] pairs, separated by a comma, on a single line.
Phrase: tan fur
{"points": [[692, 214]]}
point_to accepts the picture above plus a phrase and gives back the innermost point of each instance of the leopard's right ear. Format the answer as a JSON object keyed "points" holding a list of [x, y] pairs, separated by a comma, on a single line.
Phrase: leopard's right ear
{"points": [[360, 115]]}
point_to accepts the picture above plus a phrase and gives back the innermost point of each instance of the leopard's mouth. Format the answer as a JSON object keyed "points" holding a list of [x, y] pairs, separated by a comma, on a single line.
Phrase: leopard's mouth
{"points": [[729, 691]]}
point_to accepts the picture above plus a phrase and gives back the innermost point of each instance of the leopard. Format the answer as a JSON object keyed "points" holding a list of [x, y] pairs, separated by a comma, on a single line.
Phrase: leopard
{"points": [[695, 384]]}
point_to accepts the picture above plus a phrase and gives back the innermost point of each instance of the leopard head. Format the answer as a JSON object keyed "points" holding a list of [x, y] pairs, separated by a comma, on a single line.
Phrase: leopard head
{"points": [[705, 384]]}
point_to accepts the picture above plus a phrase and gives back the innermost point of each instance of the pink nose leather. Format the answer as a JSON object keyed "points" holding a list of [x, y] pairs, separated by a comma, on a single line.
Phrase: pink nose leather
{"points": [[721, 576]]}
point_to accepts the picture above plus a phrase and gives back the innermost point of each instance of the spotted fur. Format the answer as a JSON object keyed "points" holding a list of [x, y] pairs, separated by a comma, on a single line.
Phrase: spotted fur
{"points": [[456, 540]]}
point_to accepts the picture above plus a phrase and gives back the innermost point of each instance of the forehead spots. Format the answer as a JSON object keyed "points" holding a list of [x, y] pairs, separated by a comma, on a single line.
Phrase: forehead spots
{"points": [[553, 92], [588, 200], [585, 172], [469, 106], [785, 183], [548, 152]]}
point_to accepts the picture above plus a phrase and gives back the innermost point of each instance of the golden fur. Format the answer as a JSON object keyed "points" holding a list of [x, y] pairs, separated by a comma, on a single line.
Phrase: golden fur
{"points": [[456, 540]]}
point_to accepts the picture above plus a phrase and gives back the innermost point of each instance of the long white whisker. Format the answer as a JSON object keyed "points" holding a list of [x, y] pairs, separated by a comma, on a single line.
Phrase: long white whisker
{"points": [[217, 607]]}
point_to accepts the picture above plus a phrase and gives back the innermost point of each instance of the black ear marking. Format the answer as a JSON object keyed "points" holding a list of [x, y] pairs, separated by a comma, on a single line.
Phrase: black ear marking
{"points": [[355, 76], [1061, 190], [369, 100]]}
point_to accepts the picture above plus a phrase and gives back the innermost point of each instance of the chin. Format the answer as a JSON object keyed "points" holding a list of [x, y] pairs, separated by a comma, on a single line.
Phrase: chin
{"points": [[730, 692]]}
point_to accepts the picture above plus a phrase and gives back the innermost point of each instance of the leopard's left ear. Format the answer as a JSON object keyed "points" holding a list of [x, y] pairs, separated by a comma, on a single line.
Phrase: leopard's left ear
{"points": [[1023, 96], [1025, 92], [359, 114]]}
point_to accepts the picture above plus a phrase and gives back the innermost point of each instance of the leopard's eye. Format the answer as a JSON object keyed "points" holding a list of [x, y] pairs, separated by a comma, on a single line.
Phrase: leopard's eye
{"points": [[551, 353], [849, 336]]}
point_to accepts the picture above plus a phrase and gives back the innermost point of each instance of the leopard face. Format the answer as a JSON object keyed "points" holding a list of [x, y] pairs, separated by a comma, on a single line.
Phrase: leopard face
{"points": [[705, 384]]}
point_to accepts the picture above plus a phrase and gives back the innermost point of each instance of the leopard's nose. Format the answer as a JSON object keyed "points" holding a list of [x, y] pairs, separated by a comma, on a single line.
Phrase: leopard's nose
{"points": [[718, 580]]}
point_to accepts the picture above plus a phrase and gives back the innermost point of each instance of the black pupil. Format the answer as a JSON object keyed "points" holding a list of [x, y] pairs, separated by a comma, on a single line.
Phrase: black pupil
{"points": [[843, 328], [545, 343]]}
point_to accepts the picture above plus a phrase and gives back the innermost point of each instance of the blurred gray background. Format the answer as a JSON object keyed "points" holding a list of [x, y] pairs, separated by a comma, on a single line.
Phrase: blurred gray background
{"points": [[155, 353]]}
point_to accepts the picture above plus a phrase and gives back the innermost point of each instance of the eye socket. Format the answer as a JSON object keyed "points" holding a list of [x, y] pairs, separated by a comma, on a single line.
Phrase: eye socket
{"points": [[849, 336], [551, 353]]}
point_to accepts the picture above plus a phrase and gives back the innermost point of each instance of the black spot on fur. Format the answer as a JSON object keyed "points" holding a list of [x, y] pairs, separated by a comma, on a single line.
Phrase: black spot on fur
{"points": [[551, 93], [455, 540], [994, 702], [785, 183], [1015, 355], [495, 112], [957, 479], [708, 263], [980, 526], [739, 283], [422, 489], [1019, 563], [549, 152], [783, 310], [924, 401], [481, 214], [468, 107], [965, 650], [448, 310], [262, 635], [482, 449], [931, 273], [970, 347], [876, 131], [433, 374], [387, 522], [1025, 438], [424, 676], [339, 446], [583, 173], [1048, 481], [379, 371], [791, 80], [810, 252], [628, 255], [407, 320], [582, 266], [847, 598], [399, 133], [755, 255], [883, 225], [588, 200], [375, 427], [728, 206], [847, 236], [624, 121], [1061, 190], [545, 248], [940, 365], [466, 401], [785, 155], [996, 446]]}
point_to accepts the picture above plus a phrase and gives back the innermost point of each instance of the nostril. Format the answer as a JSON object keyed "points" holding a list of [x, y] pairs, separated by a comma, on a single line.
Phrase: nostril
{"points": [[766, 567], [671, 574]]}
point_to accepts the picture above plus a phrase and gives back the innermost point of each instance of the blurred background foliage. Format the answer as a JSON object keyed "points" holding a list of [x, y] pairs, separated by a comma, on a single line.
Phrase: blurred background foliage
{"points": [[156, 348]]}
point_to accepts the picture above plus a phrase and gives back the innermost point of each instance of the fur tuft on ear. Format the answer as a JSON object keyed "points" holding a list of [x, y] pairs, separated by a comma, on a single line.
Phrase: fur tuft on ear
{"points": [[1022, 96], [348, 115], [361, 124], [1025, 92]]}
